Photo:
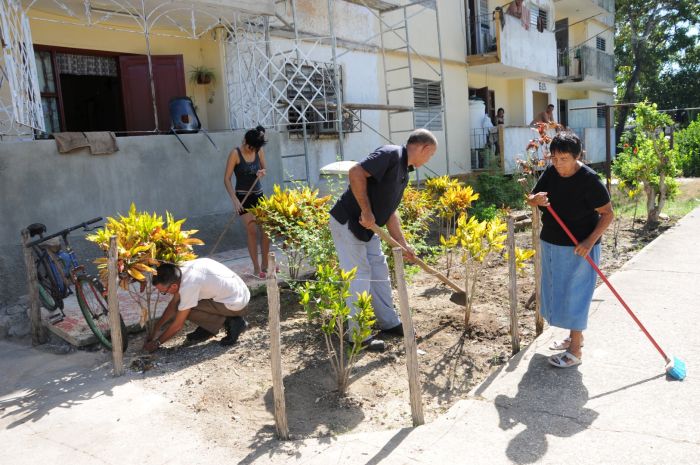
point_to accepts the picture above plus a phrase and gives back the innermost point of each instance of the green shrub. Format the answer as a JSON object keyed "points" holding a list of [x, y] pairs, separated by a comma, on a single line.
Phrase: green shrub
{"points": [[484, 212], [687, 145], [324, 300], [498, 190]]}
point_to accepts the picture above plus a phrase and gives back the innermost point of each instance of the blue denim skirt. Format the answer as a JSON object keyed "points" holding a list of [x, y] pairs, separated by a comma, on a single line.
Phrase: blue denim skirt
{"points": [[568, 282]]}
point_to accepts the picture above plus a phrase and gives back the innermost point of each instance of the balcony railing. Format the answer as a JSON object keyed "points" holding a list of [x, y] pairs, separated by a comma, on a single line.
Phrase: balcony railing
{"points": [[584, 62]]}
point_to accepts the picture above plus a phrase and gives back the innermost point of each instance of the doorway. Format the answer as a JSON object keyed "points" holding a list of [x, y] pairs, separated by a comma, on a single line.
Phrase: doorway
{"points": [[540, 100]]}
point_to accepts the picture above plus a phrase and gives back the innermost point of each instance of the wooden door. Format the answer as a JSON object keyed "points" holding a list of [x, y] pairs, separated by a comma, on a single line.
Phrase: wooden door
{"points": [[169, 82]]}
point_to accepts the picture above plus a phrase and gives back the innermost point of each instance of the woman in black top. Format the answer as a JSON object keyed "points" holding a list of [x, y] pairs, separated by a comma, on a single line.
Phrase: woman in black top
{"points": [[581, 200], [247, 162]]}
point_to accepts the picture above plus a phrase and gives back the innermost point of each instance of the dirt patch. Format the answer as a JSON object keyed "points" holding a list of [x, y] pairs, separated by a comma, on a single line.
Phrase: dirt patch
{"points": [[229, 389]]}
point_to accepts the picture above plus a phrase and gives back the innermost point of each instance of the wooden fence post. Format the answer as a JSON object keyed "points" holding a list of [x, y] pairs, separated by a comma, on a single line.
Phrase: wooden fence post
{"points": [[409, 339], [513, 288], [273, 303], [115, 330], [39, 335], [536, 224]]}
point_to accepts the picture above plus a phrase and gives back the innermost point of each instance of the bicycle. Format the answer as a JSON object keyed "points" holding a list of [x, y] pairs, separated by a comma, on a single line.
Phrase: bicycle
{"points": [[57, 268]]}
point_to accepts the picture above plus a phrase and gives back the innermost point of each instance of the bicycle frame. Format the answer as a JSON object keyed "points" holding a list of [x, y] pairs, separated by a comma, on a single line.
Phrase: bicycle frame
{"points": [[74, 268]]}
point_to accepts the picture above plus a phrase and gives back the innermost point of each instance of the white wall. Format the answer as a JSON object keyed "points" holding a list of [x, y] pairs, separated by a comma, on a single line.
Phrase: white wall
{"points": [[529, 49], [594, 144]]}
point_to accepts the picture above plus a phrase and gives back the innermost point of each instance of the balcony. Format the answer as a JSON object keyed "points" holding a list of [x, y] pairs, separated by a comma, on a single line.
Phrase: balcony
{"points": [[585, 66], [591, 7], [510, 50]]}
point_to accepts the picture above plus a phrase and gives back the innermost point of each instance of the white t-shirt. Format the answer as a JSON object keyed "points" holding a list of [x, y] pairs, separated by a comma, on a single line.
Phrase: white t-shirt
{"points": [[204, 278]]}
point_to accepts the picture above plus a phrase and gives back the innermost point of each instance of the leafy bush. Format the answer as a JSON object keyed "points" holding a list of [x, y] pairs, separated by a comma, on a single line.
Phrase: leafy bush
{"points": [[484, 212], [687, 145], [475, 241], [143, 241], [501, 191], [298, 220], [325, 302]]}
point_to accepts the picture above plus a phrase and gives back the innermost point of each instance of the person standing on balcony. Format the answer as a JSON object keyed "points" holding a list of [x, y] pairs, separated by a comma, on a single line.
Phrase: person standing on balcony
{"points": [[546, 116], [500, 116], [578, 196], [376, 188], [520, 11], [248, 164]]}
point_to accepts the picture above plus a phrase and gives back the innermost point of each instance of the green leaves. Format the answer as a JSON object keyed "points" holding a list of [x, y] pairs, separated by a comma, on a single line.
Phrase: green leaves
{"points": [[143, 240], [325, 303]]}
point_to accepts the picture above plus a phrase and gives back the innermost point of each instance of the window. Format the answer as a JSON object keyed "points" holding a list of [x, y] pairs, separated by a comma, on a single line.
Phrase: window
{"points": [[427, 103], [600, 114], [539, 18], [311, 91], [600, 43], [85, 90]]}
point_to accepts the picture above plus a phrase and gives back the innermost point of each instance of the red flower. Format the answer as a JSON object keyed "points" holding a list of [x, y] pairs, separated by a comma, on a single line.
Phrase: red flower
{"points": [[635, 150]]}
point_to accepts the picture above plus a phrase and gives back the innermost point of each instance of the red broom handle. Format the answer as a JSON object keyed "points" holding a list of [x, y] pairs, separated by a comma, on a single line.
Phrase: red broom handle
{"points": [[605, 280]]}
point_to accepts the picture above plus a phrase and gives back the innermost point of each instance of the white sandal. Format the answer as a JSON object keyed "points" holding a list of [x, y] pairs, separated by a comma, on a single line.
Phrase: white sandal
{"points": [[560, 360], [561, 344]]}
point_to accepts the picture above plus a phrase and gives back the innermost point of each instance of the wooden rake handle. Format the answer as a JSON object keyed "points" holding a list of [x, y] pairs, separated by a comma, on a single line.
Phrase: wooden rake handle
{"points": [[233, 218], [391, 241]]}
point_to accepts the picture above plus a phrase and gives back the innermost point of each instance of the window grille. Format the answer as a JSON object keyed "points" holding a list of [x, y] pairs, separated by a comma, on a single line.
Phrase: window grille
{"points": [[311, 89], [600, 43]]}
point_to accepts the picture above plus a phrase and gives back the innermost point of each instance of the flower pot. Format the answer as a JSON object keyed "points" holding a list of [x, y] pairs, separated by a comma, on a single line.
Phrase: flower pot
{"points": [[203, 78]]}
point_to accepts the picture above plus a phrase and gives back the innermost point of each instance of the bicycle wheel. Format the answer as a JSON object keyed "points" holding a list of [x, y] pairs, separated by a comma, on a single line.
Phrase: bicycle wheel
{"points": [[94, 307], [48, 289]]}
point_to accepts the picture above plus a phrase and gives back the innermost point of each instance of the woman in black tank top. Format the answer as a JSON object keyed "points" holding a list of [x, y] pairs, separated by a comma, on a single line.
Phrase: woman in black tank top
{"points": [[247, 162]]}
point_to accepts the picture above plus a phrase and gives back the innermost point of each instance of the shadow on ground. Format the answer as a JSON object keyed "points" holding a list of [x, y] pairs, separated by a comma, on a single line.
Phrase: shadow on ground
{"points": [[35, 382], [549, 402]]}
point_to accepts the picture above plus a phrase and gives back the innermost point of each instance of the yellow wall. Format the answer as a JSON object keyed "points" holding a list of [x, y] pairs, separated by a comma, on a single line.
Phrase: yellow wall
{"points": [[202, 52]]}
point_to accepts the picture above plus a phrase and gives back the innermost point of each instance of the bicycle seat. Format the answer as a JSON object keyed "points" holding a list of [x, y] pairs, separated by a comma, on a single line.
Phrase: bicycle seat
{"points": [[36, 229]]}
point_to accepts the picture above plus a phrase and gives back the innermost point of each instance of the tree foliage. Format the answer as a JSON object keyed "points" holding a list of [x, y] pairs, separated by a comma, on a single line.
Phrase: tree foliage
{"points": [[647, 160], [687, 144], [652, 39]]}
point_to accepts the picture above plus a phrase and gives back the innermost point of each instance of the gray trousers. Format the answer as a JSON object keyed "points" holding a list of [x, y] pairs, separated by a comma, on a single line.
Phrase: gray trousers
{"points": [[372, 272]]}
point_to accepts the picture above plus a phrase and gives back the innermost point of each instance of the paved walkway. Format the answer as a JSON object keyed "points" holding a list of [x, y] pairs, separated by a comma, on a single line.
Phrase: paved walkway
{"points": [[618, 407]]}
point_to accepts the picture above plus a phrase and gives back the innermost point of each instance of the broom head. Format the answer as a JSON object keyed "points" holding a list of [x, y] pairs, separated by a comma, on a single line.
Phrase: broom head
{"points": [[675, 368]]}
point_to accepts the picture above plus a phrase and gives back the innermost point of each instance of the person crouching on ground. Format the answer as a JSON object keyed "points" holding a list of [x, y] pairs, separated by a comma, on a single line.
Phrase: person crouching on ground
{"points": [[578, 196], [204, 292], [375, 192]]}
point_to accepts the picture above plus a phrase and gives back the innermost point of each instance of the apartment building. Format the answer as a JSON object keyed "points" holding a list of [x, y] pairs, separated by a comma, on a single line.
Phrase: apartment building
{"points": [[330, 79]]}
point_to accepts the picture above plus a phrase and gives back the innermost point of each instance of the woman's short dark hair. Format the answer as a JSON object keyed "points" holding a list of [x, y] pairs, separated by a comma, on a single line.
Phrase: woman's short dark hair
{"points": [[566, 142], [500, 110], [255, 137], [167, 274]]}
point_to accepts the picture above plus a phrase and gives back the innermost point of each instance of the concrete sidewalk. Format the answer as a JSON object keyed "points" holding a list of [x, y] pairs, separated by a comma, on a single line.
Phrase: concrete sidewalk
{"points": [[618, 407]]}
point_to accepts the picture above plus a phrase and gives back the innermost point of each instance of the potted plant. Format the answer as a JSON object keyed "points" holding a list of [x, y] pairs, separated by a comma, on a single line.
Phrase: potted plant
{"points": [[202, 75]]}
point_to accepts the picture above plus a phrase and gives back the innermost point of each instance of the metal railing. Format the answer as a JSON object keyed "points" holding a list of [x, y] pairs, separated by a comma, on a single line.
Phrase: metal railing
{"points": [[583, 62], [484, 148]]}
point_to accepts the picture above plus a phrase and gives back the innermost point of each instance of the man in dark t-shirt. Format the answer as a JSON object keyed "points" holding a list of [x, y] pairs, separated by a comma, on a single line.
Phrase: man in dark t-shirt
{"points": [[376, 188]]}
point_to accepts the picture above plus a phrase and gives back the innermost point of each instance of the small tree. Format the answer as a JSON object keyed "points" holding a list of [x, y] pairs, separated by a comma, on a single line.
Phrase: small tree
{"points": [[647, 160], [325, 302], [476, 241]]}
